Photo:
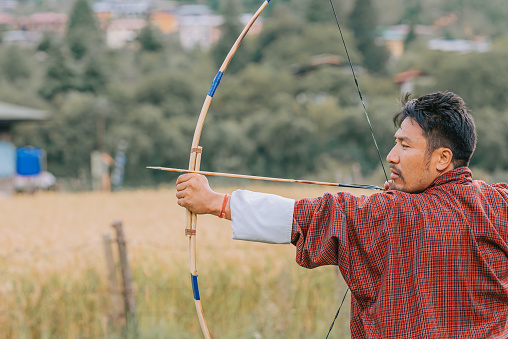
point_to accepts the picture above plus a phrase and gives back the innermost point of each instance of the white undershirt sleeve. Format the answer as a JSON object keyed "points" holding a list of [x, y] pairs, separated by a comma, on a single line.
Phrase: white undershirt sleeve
{"points": [[261, 217]]}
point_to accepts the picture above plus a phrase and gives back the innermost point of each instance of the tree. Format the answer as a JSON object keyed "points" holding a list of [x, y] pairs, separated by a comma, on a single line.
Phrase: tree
{"points": [[411, 16], [283, 23], [362, 21], [60, 77], [149, 39], [14, 64], [170, 90], [479, 78], [83, 33], [46, 43], [319, 11], [230, 30], [94, 77]]}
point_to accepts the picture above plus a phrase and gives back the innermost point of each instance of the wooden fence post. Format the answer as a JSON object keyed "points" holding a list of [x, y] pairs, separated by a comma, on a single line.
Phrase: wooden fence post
{"points": [[116, 313], [128, 294]]}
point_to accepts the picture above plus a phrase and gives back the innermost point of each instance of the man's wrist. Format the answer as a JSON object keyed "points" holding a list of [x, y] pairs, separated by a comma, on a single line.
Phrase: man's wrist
{"points": [[222, 213], [216, 204], [221, 203]]}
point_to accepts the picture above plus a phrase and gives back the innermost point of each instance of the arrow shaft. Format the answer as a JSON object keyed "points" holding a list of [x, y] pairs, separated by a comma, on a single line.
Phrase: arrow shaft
{"points": [[255, 177]]}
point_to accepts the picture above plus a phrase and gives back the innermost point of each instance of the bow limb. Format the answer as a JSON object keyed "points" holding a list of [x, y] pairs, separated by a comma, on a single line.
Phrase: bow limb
{"points": [[194, 165]]}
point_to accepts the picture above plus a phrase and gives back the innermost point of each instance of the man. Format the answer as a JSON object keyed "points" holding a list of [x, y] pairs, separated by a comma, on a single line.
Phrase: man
{"points": [[428, 258]]}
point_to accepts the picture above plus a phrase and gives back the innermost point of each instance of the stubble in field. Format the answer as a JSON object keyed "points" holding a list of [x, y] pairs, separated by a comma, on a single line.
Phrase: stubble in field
{"points": [[52, 267]]}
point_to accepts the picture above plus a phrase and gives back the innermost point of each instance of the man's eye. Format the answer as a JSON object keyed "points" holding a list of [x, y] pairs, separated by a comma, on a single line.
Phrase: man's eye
{"points": [[405, 146]]}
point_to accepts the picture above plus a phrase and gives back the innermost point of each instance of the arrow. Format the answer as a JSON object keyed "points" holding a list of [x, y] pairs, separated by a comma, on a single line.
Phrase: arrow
{"points": [[254, 177]]}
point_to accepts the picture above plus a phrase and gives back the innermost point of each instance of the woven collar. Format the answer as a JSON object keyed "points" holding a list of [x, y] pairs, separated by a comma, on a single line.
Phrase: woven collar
{"points": [[458, 175]]}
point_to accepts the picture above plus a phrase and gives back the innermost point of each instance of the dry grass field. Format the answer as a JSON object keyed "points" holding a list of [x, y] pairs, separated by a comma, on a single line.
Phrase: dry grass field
{"points": [[53, 280]]}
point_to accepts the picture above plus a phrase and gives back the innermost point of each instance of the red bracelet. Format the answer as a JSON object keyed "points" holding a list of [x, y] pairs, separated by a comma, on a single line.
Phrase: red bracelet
{"points": [[222, 213]]}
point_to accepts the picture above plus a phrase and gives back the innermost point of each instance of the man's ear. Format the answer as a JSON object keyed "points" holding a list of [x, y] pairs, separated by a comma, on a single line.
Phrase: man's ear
{"points": [[445, 158]]}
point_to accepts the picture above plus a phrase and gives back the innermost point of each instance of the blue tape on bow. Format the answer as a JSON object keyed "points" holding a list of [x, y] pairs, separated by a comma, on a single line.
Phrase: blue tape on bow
{"points": [[215, 83], [195, 288]]}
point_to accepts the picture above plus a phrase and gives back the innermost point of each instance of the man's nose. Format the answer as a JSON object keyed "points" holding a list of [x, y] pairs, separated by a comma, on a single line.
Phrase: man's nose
{"points": [[392, 157]]}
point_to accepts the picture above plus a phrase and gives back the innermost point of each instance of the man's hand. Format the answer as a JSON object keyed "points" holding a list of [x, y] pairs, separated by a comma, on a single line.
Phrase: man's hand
{"points": [[195, 194]]}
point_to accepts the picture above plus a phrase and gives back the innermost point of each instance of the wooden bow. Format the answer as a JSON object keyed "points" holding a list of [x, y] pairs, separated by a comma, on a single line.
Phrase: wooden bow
{"points": [[196, 150], [194, 165]]}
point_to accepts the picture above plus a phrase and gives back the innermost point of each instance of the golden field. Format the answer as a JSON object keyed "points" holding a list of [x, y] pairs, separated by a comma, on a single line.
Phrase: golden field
{"points": [[53, 280]]}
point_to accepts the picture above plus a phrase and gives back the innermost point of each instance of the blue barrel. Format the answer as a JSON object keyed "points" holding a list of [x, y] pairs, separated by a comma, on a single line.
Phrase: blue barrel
{"points": [[28, 160]]}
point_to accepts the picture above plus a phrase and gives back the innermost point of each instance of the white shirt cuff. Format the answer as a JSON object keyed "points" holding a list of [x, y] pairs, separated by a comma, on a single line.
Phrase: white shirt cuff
{"points": [[261, 217]]}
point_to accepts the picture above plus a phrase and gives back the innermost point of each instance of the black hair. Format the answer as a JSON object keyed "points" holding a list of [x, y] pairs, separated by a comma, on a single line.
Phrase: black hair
{"points": [[446, 122]]}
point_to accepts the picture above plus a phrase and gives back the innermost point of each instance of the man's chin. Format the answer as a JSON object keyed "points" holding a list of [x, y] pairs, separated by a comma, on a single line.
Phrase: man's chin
{"points": [[396, 186]]}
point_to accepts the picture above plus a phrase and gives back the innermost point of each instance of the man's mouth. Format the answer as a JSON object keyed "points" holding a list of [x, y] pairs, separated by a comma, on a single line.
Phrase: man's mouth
{"points": [[395, 174]]}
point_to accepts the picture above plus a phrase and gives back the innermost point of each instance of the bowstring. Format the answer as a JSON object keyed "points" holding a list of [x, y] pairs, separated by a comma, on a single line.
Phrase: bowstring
{"points": [[337, 314], [359, 91], [371, 132]]}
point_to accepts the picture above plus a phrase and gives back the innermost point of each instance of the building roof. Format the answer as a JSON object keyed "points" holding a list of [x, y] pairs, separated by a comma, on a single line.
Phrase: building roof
{"points": [[407, 75], [48, 18], [14, 113], [6, 19], [127, 25], [194, 10]]}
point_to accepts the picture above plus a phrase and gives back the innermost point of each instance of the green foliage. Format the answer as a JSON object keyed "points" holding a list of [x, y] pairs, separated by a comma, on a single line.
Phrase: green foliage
{"points": [[150, 39], [362, 22], [94, 77], [491, 127], [230, 30], [487, 17], [171, 90], [264, 119], [83, 34], [320, 11], [46, 43], [14, 64], [283, 24], [462, 74], [60, 77]]}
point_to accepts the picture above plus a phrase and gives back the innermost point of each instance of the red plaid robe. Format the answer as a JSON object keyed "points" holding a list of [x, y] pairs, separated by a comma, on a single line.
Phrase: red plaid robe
{"points": [[427, 265]]}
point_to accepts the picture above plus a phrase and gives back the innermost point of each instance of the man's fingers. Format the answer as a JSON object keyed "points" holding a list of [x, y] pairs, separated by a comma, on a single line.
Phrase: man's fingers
{"points": [[183, 178], [181, 186], [181, 202], [180, 194], [194, 193], [189, 177], [387, 184]]}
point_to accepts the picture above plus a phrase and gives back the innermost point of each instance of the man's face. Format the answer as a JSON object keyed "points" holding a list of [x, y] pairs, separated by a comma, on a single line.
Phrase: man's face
{"points": [[412, 168]]}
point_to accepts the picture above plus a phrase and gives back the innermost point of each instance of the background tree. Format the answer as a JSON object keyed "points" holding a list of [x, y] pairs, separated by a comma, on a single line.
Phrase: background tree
{"points": [[149, 39], [60, 76], [320, 11], [411, 17], [14, 64], [363, 22], [230, 30], [83, 33], [46, 43], [94, 77], [306, 125]]}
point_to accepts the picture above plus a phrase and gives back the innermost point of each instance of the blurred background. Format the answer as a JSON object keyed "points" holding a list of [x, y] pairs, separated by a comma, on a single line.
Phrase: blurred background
{"points": [[92, 81], [92, 92]]}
